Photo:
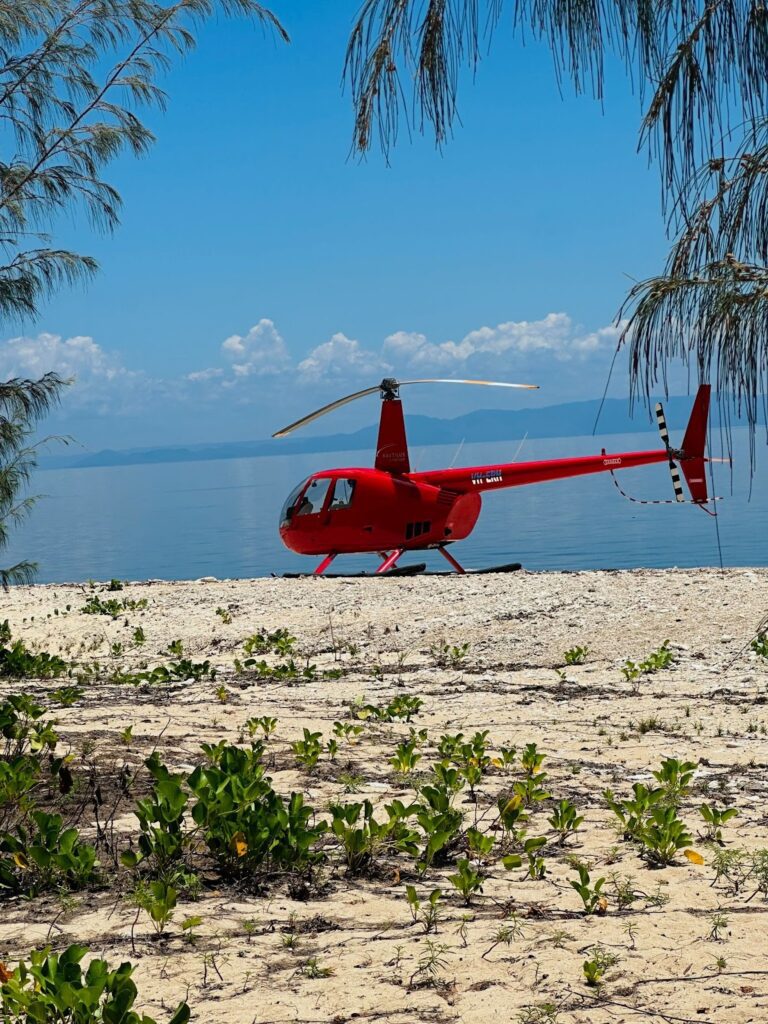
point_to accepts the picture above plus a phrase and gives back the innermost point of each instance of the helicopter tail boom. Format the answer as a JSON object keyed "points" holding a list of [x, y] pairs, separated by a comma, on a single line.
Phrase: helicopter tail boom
{"points": [[515, 474]]}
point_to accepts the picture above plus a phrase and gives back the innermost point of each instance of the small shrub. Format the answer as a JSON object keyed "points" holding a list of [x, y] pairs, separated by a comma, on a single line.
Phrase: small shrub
{"points": [[715, 819], [531, 760], [759, 871], [346, 732], [113, 606], [22, 729], [424, 911], [246, 826], [664, 835], [158, 899], [175, 670], [401, 708], [595, 968], [631, 672], [449, 655], [467, 881], [536, 865], [760, 644], [564, 820], [675, 779], [279, 642], [18, 662], [33, 861], [659, 659], [161, 821], [433, 960], [266, 724], [440, 824], [363, 838], [632, 814], [66, 696], [52, 988], [531, 789], [511, 817], [590, 892], [406, 758], [505, 759], [576, 655], [307, 751], [733, 866], [480, 845]]}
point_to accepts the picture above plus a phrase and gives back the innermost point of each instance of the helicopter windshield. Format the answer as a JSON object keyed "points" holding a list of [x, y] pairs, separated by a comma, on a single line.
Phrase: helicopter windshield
{"points": [[289, 506], [313, 498]]}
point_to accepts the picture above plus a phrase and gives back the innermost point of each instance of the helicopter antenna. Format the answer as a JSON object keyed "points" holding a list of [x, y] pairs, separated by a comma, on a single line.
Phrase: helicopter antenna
{"points": [[520, 446], [458, 452]]}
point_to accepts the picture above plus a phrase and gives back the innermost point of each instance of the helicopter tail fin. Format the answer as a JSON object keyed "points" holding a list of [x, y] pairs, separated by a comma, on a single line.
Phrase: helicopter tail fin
{"points": [[694, 443]]}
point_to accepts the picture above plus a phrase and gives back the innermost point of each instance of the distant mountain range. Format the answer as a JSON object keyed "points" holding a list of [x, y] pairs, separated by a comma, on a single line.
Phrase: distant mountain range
{"points": [[571, 419]]}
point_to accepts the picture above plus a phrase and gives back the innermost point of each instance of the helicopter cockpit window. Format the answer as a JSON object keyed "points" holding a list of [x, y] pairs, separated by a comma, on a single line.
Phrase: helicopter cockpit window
{"points": [[290, 502], [313, 498], [342, 493]]}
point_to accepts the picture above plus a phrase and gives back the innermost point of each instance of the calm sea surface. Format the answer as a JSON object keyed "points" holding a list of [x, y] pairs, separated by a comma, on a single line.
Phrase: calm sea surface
{"points": [[185, 520]]}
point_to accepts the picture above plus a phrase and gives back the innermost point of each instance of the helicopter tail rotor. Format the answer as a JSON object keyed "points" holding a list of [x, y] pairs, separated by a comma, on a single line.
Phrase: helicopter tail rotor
{"points": [[691, 455], [674, 472]]}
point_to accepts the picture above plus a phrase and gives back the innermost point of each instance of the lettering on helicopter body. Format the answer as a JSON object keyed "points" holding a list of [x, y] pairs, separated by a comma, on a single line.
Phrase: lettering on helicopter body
{"points": [[490, 476], [611, 462]]}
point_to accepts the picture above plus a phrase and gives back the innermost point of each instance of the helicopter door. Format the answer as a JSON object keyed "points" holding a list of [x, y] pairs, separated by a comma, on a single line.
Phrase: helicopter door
{"points": [[343, 493]]}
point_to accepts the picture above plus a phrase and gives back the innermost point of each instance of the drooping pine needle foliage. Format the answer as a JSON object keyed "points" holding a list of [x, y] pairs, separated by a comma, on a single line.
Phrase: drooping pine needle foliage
{"points": [[701, 67], [73, 74], [22, 402]]}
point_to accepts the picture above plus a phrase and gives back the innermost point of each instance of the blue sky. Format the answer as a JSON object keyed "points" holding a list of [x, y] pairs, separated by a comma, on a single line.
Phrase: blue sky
{"points": [[258, 271]]}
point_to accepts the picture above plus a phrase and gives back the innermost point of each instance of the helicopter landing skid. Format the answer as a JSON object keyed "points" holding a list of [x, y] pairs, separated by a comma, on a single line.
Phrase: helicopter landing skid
{"points": [[405, 570], [452, 561], [389, 562]]}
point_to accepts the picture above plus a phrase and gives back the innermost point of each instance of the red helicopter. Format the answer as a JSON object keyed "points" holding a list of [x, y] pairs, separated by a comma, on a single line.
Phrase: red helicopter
{"points": [[390, 510]]}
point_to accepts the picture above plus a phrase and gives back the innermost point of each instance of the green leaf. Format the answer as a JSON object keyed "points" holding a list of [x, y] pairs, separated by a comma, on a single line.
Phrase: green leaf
{"points": [[181, 1016]]}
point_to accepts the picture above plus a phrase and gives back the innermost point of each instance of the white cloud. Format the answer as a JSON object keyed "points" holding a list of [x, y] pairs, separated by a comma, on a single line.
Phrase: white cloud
{"points": [[212, 373], [260, 352], [77, 357], [99, 377], [552, 349], [554, 336], [341, 357]]}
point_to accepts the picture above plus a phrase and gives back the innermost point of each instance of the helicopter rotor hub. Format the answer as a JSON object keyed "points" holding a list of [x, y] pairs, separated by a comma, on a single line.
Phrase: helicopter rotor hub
{"points": [[390, 389]]}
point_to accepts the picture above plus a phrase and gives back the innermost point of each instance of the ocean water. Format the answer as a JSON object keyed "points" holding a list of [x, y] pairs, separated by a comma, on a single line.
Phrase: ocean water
{"points": [[219, 518]]}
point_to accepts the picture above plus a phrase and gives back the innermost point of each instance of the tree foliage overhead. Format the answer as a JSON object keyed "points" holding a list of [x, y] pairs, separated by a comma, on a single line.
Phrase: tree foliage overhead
{"points": [[22, 402], [73, 74], [701, 67]]}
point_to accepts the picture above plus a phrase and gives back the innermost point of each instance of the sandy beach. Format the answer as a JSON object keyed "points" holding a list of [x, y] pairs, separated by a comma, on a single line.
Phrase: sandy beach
{"points": [[690, 945]]}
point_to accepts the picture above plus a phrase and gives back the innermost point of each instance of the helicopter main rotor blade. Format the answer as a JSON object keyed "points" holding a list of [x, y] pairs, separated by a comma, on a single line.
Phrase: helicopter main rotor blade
{"points": [[389, 387], [326, 408], [483, 383]]}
